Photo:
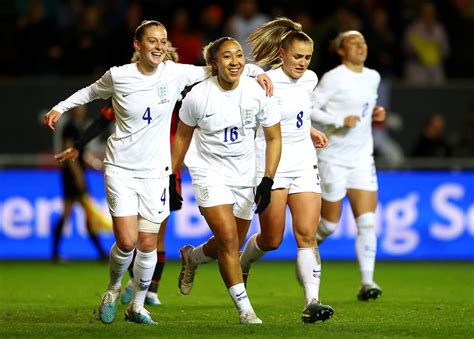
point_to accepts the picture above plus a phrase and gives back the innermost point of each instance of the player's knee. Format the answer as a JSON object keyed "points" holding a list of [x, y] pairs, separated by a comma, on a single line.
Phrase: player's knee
{"points": [[305, 240], [126, 245], [269, 243], [326, 228], [228, 243], [366, 223]]}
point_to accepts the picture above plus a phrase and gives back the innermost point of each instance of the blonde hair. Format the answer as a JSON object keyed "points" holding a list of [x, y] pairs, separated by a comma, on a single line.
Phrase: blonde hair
{"points": [[267, 40], [171, 53], [209, 52]]}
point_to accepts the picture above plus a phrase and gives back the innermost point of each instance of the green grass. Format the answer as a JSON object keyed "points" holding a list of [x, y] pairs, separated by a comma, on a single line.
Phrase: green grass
{"points": [[425, 299]]}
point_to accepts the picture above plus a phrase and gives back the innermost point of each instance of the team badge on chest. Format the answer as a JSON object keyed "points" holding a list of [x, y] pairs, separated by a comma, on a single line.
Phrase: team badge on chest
{"points": [[248, 115], [163, 93]]}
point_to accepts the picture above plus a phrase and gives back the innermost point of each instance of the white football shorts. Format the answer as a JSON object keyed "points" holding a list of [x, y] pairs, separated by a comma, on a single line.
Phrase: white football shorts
{"points": [[308, 181], [241, 198], [337, 179], [147, 197]]}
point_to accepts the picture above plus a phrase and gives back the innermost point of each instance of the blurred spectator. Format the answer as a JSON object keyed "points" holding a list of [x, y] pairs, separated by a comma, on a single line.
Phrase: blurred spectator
{"points": [[341, 20], [121, 46], [432, 141], [36, 41], [85, 49], [461, 62], [426, 46], [186, 39], [382, 43], [465, 144], [212, 21], [246, 19]]}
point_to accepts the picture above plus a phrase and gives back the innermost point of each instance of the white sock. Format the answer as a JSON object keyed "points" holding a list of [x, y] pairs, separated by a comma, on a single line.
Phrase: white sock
{"points": [[325, 229], [366, 246], [308, 265], [199, 257], [143, 269], [118, 265], [250, 254], [240, 297]]}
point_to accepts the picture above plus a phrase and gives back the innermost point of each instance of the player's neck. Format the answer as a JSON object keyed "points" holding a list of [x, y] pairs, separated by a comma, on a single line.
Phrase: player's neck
{"points": [[146, 69], [358, 68]]}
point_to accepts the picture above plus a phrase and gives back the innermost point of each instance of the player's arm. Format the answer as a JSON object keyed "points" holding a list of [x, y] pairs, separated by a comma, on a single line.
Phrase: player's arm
{"points": [[92, 131], [181, 141], [102, 88], [272, 158], [75, 168], [320, 140]]}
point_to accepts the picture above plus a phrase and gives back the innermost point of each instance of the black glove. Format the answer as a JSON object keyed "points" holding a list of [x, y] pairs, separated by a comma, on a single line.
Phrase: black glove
{"points": [[176, 200], [263, 194]]}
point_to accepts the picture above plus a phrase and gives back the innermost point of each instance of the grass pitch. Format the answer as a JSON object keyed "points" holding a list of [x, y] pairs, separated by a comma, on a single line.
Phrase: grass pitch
{"points": [[423, 299]]}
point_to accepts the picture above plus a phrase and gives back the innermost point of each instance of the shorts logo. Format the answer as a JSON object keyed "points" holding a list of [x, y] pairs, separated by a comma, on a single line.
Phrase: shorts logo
{"points": [[204, 193], [163, 91], [112, 200]]}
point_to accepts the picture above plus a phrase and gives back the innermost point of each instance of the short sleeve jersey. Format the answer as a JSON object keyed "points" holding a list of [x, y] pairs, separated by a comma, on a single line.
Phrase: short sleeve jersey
{"points": [[343, 92], [143, 106], [295, 102], [223, 147]]}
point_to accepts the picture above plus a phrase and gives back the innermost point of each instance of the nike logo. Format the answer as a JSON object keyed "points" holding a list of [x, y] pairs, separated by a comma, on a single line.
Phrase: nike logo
{"points": [[239, 294], [209, 115], [126, 94]]}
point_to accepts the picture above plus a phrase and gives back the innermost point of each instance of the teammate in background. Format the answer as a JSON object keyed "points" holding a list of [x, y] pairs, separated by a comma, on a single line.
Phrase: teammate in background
{"points": [[137, 162], [74, 184], [223, 112], [282, 44], [345, 105]]}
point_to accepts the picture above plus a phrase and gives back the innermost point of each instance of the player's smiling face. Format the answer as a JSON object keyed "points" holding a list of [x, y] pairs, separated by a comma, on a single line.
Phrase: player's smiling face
{"points": [[152, 47], [296, 58], [354, 49], [229, 62]]}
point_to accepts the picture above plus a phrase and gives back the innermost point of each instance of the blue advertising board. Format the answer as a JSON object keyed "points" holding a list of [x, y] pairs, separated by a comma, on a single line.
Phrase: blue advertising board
{"points": [[421, 215]]}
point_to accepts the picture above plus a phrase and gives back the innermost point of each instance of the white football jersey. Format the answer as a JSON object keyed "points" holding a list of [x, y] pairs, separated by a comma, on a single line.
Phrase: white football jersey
{"points": [[340, 93], [295, 101], [223, 146]]}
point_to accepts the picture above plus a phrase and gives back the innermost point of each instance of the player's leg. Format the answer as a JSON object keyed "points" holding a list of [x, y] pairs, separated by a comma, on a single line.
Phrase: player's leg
{"points": [[363, 205], [272, 228], [58, 228], [121, 254], [305, 209], [333, 190], [92, 234], [152, 294], [143, 268], [123, 206], [223, 224]]}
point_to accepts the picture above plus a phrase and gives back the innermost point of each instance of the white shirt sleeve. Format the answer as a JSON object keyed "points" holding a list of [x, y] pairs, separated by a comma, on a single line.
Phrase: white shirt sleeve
{"points": [[270, 114], [101, 89], [326, 88], [188, 111], [252, 70]]}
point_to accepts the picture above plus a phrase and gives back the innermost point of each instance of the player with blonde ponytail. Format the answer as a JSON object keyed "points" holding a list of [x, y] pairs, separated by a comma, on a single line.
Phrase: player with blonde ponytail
{"points": [[287, 50]]}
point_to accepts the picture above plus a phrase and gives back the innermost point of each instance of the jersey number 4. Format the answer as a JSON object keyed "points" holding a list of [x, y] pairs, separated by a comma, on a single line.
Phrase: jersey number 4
{"points": [[147, 116]]}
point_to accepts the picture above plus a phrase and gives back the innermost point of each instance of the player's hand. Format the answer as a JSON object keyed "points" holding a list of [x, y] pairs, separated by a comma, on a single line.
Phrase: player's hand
{"points": [[50, 119], [266, 83], [379, 114], [320, 140], [263, 194], [70, 153], [351, 121], [176, 200]]}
